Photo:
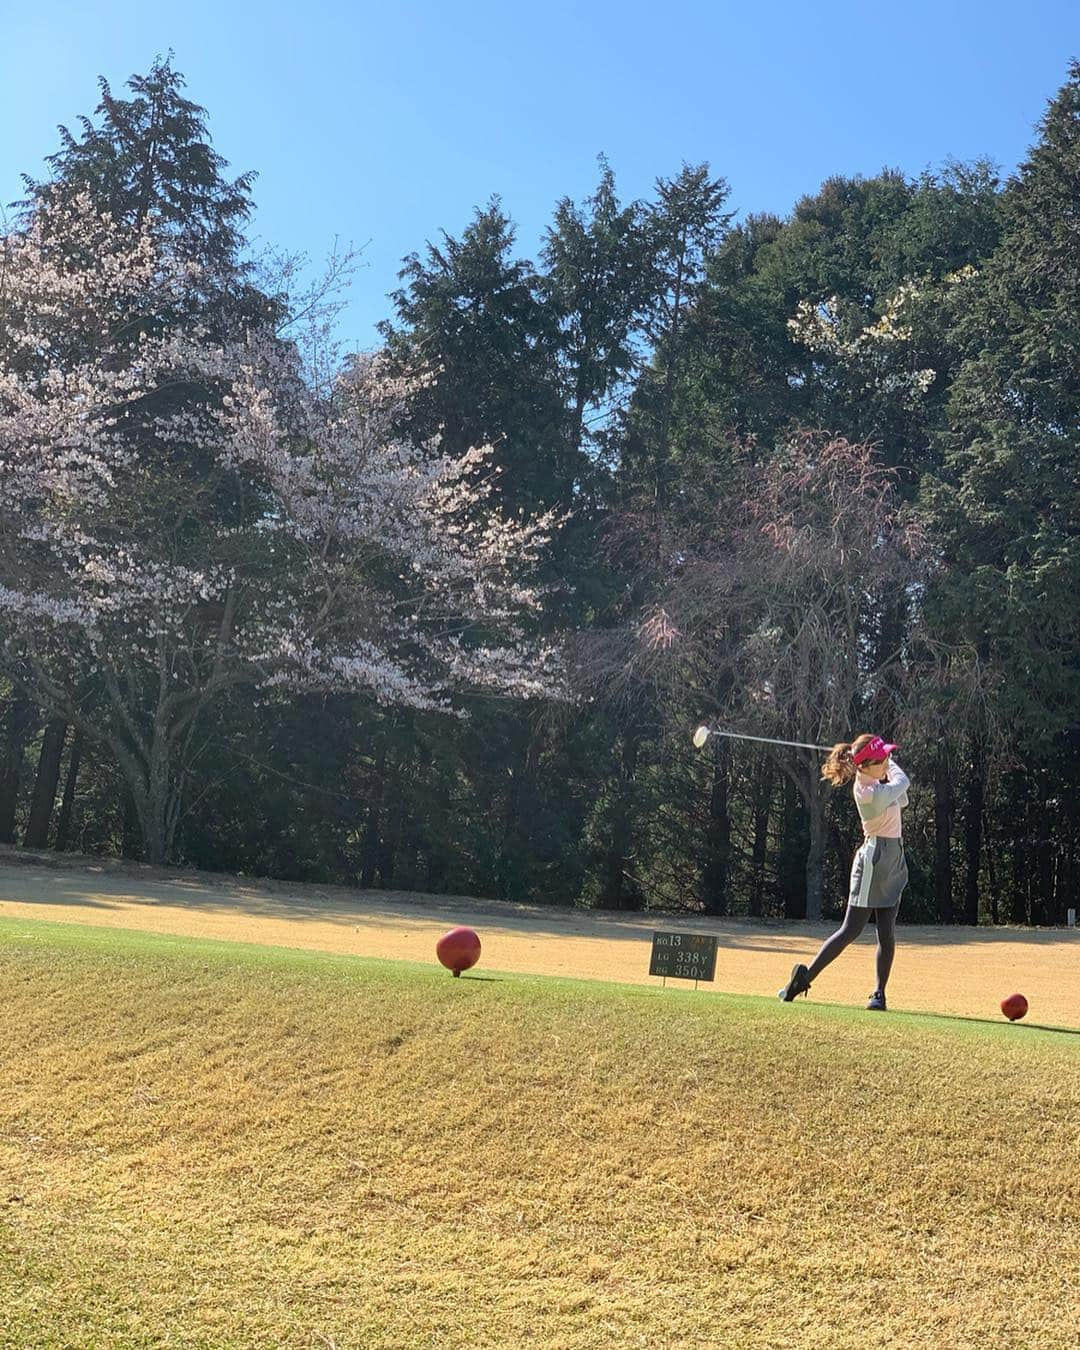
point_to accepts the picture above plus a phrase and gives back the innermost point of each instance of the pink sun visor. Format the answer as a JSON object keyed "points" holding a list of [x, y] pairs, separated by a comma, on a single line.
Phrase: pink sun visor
{"points": [[875, 749]]}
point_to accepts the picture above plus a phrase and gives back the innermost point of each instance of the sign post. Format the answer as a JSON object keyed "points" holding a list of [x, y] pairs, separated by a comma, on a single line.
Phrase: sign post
{"points": [[683, 956]]}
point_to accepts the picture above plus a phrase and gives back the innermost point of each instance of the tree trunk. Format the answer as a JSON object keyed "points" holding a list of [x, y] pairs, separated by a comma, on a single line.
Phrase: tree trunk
{"points": [[18, 723], [763, 792], [973, 825], [815, 856], [154, 795], [618, 892], [1043, 900], [1017, 906], [390, 843], [45, 784], [514, 839], [435, 871], [1032, 872], [991, 870], [1069, 884], [943, 823], [157, 806], [67, 805], [714, 878], [369, 853], [129, 825], [1069, 891], [391, 817], [791, 869], [159, 815]]}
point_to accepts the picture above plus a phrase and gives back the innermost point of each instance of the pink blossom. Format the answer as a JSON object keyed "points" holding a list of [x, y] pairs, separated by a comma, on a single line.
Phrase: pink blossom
{"points": [[315, 548]]}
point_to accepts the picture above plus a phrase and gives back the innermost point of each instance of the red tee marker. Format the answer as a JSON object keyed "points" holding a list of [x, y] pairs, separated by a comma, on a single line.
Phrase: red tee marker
{"points": [[458, 950], [1015, 1006]]}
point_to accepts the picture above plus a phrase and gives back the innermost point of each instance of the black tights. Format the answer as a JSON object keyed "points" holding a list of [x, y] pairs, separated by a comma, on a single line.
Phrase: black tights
{"points": [[855, 921]]}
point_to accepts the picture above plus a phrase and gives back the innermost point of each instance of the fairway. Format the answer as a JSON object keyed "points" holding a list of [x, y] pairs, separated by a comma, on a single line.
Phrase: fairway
{"points": [[208, 1144], [963, 972]]}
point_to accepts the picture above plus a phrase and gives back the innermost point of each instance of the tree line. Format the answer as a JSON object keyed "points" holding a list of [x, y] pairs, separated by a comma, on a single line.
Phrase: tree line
{"points": [[443, 616]]}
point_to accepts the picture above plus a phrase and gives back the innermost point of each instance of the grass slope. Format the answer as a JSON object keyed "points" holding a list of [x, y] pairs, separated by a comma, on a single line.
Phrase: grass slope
{"points": [[204, 1144]]}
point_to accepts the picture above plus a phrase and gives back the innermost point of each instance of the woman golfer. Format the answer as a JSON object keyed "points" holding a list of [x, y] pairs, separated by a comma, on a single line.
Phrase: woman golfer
{"points": [[879, 872]]}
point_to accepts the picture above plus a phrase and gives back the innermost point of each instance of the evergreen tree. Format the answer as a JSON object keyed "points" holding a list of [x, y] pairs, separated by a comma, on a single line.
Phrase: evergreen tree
{"points": [[1006, 506], [151, 153], [857, 253], [599, 285], [1010, 498], [474, 317], [685, 227], [681, 230], [517, 359]]}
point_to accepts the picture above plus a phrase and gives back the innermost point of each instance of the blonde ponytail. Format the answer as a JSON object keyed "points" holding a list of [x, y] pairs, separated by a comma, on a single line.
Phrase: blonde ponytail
{"points": [[839, 768]]}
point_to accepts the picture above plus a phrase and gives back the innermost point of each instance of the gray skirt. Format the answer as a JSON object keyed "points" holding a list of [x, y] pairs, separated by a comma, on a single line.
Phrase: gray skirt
{"points": [[879, 874]]}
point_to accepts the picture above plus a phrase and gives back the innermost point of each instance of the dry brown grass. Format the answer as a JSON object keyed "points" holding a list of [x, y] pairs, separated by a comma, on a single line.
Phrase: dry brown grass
{"points": [[203, 1145]]}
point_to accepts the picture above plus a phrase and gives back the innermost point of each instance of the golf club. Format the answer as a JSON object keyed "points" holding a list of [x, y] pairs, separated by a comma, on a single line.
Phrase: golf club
{"points": [[702, 734]]}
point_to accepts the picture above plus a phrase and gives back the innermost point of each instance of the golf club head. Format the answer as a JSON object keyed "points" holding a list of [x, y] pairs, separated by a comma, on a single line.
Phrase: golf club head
{"points": [[701, 736]]}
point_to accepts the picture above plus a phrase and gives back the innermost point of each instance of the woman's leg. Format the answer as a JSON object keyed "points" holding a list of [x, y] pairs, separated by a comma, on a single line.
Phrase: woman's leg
{"points": [[886, 944], [854, 922]]}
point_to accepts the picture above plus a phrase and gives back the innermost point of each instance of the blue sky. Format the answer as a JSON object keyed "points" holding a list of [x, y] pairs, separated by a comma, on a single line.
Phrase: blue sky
{"points": [[383, 124]]}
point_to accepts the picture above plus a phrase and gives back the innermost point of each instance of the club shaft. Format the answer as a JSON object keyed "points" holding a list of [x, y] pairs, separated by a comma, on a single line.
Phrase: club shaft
{"points": [[767, 740]]}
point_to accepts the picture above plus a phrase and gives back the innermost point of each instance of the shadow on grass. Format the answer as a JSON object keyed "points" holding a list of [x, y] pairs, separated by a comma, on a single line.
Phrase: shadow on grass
{"points": [[1020, 1026], [31, 879]]}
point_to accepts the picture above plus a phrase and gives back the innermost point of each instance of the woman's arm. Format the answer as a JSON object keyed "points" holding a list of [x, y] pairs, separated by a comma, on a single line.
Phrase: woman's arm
{"points": [[873, 798], [901, 801]]}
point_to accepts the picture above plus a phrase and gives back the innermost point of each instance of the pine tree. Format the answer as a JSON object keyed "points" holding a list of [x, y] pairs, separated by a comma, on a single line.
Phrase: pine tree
{"points": [[1006, 505], [685, 227], [152, 153], [1009, 499], [494, 334], [475, 317], [598, 282]]}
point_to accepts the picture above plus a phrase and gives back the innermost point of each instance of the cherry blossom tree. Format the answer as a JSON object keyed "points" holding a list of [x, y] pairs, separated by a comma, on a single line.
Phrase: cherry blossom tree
{"points": [[180, 515]]}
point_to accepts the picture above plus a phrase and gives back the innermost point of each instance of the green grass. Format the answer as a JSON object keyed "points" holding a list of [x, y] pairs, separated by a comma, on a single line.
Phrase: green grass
{"points": [[208, 1144]]}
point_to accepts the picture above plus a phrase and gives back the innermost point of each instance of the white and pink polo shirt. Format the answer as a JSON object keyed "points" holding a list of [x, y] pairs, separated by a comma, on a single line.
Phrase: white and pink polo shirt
{"points": [[880, 804]]}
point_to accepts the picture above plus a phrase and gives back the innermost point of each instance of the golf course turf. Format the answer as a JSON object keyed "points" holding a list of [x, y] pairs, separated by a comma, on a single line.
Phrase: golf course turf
{"points": [[215, 1144]]}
